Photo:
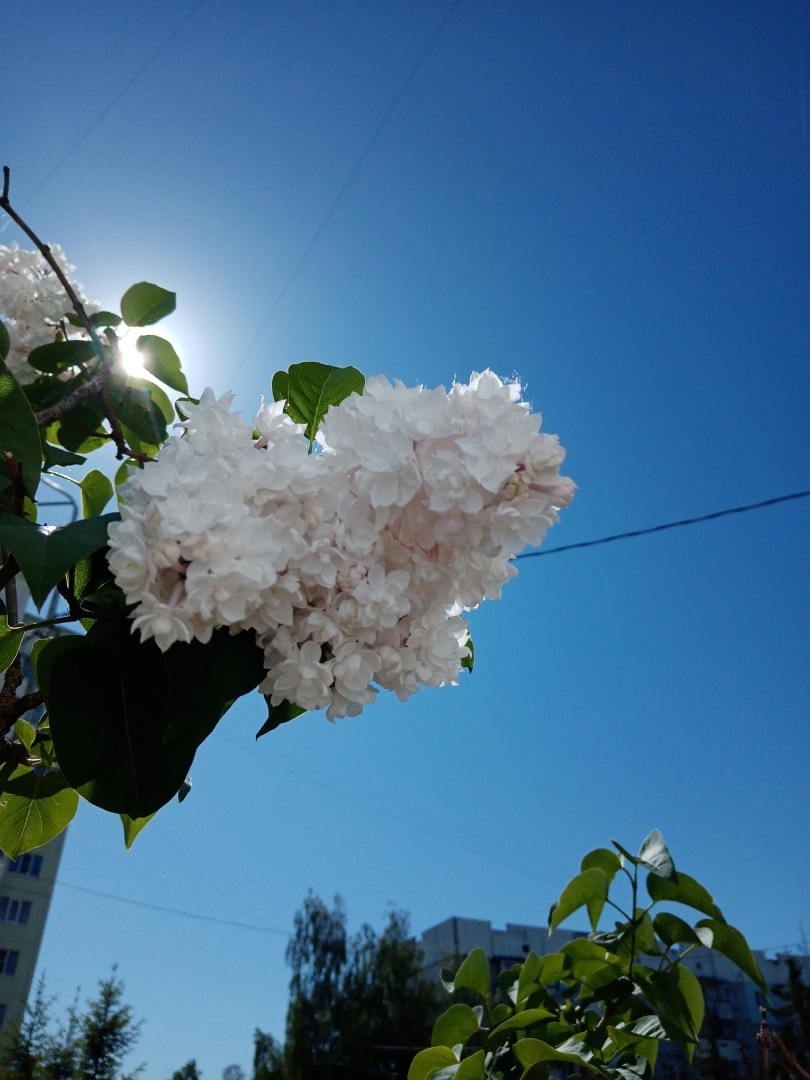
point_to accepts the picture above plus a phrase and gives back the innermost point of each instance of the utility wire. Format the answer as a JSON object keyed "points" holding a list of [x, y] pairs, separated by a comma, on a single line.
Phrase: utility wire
{"points": [[175, 911], [347, 183], [112, 103], [668, 525]]}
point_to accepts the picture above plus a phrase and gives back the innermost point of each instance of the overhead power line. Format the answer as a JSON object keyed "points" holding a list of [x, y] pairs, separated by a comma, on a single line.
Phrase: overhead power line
{"points": [[175, 911], [668, 525], [347, 183]]}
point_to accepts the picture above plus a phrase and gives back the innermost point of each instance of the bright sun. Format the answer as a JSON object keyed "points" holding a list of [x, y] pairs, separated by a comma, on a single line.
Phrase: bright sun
{"points": [[130, 357]]}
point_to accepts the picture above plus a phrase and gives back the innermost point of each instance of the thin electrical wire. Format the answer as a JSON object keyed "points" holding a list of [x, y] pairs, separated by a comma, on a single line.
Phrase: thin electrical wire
{"points": [[347, 183], [174, 911], [668, 525], [77, 142]]}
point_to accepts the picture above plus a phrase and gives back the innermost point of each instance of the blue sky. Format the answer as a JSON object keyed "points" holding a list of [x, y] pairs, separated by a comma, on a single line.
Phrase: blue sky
{"points": [[609, 201]]}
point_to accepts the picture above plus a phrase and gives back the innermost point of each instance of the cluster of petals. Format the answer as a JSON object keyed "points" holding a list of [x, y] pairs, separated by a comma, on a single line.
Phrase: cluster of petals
{"points": [[33, 303], [353, 565]]}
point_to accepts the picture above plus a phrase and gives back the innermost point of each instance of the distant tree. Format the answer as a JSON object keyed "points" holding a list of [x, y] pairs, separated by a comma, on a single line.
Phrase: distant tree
{"points": [[792, 1016], [359, 1006], [233, 1072], [24, 1052], [107, 1033], [188, 1072], [268, 1057]]}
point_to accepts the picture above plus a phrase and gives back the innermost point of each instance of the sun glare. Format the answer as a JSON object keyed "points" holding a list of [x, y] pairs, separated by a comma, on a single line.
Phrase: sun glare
{"points": [[130, 357]]}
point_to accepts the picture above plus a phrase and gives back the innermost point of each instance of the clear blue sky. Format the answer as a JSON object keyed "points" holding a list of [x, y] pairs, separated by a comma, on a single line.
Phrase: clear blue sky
{"points": [[609, 200]]}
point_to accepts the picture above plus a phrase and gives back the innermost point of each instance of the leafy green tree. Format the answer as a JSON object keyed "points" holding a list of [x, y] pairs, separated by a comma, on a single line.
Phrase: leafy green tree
{"points": [[25, 1051], [188, 1072], [358, 1006], [791, 1014], [108, 1032], [268, 1057], [233, 1072]]}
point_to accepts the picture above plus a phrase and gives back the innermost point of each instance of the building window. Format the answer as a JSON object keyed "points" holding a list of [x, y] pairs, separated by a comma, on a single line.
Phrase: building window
{"points": [[26, 864], [14, 910], [8, 961]]}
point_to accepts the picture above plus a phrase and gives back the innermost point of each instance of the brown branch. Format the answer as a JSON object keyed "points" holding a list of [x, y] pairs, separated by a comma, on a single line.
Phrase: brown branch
{"points": [[8, 695], [84, 318], [788, 1060], [9, 570], [77, 397], [28, 701]]}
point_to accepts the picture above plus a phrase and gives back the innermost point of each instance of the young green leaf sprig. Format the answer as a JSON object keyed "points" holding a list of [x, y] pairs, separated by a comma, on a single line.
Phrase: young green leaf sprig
{"points": [[605, 1002]]}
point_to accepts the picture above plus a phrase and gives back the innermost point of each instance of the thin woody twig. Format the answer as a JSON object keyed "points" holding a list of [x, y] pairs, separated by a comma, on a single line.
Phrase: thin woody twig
{"points": [[77, 397], [84, 318]]}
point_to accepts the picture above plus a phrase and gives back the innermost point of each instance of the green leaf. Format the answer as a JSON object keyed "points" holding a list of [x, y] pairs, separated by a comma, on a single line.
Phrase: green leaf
{"points": [[472, 1067], [5, 341], [35, 806], [44, 653], [469, 661], [144, 304], [520, 1021], [474, 973], [730, 942], [623, 851], [312, 388], [429, 1061], [533, 1051], [55, 455], [132, 826], [59, 356], [104, 318], [693, 996], [280, 386], [10, 641], [161, 360], [605, 859], [673, 930], [454, 1027], [185, 790], [79, 430], [662, 989], [142, 407], [683, 891], [25, 732], [588, 888], [45, 554], [96, 493], [279, 714], [203, 679], [19, 434], [654, 855]]}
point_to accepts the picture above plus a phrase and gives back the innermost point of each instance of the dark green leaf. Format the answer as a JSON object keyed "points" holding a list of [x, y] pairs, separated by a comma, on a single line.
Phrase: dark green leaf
{"points": [[656, 858], [140, 406], [79, 430], [45, 554], [683, 891], [104, 318], [35, 806], [144, 304], [10, 641], [45, 652], [161, 360], [55, 455], [203, 679], [730, 942], [5, 341], [280, 385], [429, 1061], [96, 493], [19, 434], [674, 931], [663, 991], [59, 356], [313, 388], [534, 1051], [279, 714], [454, 1027], [132, 826], [474, 973], [588, 888], [693, 996], [185, 790], [623, 851]]}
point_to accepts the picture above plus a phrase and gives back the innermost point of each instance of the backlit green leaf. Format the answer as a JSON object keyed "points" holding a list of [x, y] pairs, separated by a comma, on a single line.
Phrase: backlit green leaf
{"points": [[278, 715], [683, 891], [654, 855], [730, 942], [474, 973], [10, 641], [96, 493], [161, 360], [5, 341], [313, 388], [144, 304], [427, 1062], [588, 888], [35, 806], [132, 826]]}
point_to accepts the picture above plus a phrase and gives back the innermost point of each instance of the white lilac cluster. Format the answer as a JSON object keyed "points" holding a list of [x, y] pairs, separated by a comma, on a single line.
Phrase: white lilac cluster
{"points": [[32, 303], [353, 565]]}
